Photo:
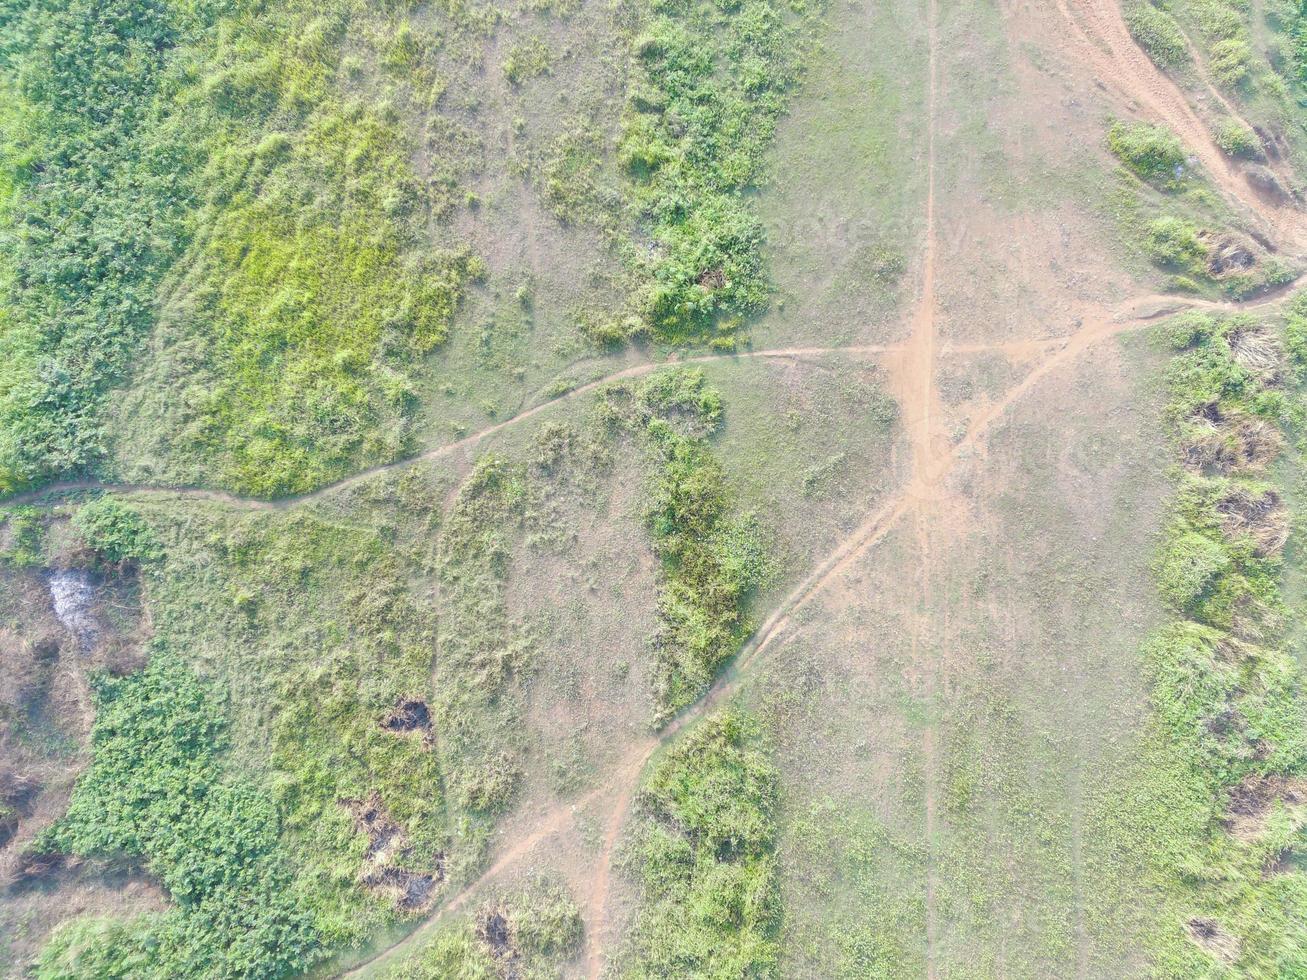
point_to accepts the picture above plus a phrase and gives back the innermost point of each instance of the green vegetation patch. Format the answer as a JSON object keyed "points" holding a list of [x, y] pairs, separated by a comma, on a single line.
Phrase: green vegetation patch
{"points": [[309, 625], [1157, 32], [709, 83], [1151, 153], [702, 853], [1212, 815], [712, 558], [156, 787]]}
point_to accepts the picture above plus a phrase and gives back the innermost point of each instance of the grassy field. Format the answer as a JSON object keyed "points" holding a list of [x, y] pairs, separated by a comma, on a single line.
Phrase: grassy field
{"points": [[716, 488]]}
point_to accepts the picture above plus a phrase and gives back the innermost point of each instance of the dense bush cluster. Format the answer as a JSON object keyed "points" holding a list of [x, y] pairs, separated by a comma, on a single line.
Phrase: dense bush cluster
{"points": [[156, 788], [702, 852], [528, 933], [116, 532]]}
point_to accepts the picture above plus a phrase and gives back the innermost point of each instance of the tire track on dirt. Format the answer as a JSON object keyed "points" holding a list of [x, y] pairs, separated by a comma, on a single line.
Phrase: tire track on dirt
{"points": [[1124, 67]]}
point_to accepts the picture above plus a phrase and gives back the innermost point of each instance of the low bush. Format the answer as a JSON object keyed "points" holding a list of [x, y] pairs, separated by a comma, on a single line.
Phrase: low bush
{"points": [[1150, 152], [116, 532], [1237, 140], [1157, 33]]}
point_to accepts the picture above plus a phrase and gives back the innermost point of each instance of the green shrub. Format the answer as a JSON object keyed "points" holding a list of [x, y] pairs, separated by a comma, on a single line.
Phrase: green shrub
{"points": [[710, 83], [98, 190], [1237, 140], [115, 531], [1226, 693], [1157, 33], [1150, 152], [1230, 62], [156, 788], [1174, 243], [711, 558]]}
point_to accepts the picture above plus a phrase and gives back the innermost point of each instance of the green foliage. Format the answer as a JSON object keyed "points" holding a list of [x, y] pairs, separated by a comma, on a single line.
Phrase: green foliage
{"points": [[115, 531], [312, 627], [1237, 140], [702, 854], [712, 559], [1152, 153], [1157, 33], [710, 83], [94, 217], [155, 788]]}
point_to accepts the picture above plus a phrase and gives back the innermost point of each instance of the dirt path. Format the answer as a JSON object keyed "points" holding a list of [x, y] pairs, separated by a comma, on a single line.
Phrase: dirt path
{"points": [[436, 452], [1121, 65]]}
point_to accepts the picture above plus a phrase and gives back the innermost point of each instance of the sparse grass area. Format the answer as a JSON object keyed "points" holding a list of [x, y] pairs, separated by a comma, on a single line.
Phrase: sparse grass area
{"points": [[527, 932], [701, 851]]}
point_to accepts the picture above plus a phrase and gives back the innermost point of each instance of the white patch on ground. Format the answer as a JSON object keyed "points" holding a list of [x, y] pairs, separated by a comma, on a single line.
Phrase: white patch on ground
{"points": [[72, 591]]}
